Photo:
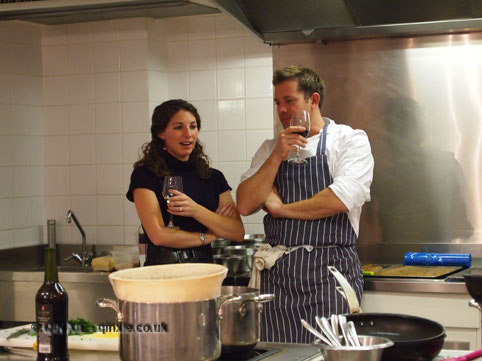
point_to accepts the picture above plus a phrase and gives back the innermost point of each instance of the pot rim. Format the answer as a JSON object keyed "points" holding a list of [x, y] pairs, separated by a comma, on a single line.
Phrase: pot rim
{"points": [[248, 291], [384, 343]]}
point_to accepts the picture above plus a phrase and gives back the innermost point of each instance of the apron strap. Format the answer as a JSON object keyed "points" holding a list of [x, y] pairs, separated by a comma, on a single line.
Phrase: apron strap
{"points": [[322, 143]]}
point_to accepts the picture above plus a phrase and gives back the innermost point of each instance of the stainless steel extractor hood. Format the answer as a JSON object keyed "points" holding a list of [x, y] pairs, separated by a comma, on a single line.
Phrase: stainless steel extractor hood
{"points": [[75, 11], [291, 21]]}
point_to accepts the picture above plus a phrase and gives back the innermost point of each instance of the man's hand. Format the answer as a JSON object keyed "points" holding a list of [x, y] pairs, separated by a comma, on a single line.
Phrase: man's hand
{"points": [[274, 203], [287, 140]]}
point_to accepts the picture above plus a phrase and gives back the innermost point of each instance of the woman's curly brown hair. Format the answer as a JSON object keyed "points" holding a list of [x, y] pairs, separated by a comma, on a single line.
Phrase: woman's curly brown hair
{"points": [[154, 152]]}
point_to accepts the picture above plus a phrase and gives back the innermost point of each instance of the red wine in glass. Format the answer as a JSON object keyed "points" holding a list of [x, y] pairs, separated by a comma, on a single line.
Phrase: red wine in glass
{"points": [[300, 118], [303, 134]]}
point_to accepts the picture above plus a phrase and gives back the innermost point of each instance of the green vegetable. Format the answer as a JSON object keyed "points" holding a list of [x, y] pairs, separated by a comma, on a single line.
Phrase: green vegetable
{"points": [[81, 326], [18, 333]]}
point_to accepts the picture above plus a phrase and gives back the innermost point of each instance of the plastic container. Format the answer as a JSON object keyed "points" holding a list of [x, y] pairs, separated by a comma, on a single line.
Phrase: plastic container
{"points": [[125, 258], [437, 259]]}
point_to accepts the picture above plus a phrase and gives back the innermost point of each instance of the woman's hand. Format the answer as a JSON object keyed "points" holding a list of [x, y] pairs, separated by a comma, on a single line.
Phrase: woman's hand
{"points": [[181, 205], [227, 209]]}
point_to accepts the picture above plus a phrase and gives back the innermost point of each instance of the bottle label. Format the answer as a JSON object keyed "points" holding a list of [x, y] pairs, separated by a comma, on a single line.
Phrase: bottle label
{"points": [[44, 328], [44, 346], [49, 332]]}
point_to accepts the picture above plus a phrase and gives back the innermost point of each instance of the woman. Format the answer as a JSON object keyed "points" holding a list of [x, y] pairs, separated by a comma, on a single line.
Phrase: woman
{"points": [[204, 211]]}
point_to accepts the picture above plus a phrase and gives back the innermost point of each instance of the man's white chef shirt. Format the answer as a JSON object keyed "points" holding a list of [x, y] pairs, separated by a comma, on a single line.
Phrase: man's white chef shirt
{"points": [[350, 162]]}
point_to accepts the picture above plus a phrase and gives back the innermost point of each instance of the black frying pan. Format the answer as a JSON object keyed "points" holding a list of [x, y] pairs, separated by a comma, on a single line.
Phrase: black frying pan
{"points": [[473, 282], [415, 338]]}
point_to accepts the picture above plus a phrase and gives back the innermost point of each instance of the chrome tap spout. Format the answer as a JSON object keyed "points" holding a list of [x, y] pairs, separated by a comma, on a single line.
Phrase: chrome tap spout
{"points": [[86, 256]]}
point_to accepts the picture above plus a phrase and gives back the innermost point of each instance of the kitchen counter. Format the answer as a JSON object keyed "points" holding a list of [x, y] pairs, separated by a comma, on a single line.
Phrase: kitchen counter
{"points": [[287, 352], [451, 284], [20, 285], [291, 353], [448, 285]]}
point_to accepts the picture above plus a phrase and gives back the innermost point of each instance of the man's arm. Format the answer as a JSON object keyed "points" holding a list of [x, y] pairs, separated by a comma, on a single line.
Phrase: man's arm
{"points": [[352, 172], [253, 192], [321, 205]]}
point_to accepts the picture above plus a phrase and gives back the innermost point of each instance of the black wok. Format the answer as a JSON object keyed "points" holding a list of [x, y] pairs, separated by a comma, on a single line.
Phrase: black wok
{"points": [[415, 338]]}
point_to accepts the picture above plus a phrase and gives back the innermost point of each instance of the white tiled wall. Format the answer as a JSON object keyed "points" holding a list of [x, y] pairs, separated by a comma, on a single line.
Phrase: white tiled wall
{"points": [[75, 107], [21, 136], [98, 77], [225, 71]]}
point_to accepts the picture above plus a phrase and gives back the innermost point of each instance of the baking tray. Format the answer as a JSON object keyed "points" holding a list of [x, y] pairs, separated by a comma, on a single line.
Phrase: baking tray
{"points": [[402, 271]]}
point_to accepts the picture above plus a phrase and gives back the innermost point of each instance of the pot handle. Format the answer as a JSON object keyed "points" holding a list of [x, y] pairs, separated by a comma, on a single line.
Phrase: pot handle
{"points": [[475, 304], [348, 290], [226, 301], [108, 303], [264, 298], [257, 299]]}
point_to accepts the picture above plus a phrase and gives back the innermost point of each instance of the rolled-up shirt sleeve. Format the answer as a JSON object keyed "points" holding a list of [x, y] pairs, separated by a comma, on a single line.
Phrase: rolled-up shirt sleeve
{"points": [[352, 168], [263, 153]]}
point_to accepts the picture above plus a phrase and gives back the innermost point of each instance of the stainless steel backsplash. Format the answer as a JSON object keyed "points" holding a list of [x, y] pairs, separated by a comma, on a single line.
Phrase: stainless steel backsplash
{"points": [[420, 102]]}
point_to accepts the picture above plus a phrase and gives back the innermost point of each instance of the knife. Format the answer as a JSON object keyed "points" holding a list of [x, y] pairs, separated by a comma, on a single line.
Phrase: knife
{"points": [[18, 352]]}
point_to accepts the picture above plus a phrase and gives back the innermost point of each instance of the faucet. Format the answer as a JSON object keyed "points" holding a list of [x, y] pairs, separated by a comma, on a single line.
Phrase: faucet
{"points": [[86, 257]]}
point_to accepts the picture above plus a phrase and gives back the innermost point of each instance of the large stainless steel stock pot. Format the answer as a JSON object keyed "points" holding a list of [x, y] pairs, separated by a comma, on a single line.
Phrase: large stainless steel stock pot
{"points": [[184, 331], [169, 312]]}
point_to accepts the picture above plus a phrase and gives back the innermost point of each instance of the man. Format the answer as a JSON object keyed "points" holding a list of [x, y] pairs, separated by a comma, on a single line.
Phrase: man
{"points": [[313, 209]]}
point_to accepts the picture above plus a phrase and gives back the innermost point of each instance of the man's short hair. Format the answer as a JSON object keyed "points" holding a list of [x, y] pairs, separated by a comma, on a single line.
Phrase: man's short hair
{"points": [[308, 81]]}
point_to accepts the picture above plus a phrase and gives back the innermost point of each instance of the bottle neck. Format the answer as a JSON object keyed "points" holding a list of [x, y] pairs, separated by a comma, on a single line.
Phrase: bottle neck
{"points": [[51, 274]]}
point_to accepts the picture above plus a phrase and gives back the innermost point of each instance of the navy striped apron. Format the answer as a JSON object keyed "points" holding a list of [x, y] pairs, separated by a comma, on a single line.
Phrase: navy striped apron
{"points": [[303, 286]]}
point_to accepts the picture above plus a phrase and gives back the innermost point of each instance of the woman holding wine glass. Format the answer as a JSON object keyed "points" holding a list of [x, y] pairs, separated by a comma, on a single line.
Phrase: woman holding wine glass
{"points": [[182, 203]]}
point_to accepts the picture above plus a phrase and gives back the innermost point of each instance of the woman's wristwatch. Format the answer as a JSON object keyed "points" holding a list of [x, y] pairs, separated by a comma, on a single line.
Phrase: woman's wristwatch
{"points": [[202, 238]]}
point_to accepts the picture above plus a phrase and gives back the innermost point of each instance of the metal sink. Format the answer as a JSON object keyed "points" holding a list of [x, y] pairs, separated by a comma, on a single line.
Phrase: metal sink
{"points": [[22, 274], [60, 269]]}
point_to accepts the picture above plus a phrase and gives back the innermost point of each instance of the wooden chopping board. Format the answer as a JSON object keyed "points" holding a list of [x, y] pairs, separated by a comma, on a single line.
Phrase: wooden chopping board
{"points": [[96, 341]]}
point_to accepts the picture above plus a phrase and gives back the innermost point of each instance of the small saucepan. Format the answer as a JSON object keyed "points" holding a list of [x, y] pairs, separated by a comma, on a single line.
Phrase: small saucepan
{"points": [[240, 319], [247, 252], [231, 262]]}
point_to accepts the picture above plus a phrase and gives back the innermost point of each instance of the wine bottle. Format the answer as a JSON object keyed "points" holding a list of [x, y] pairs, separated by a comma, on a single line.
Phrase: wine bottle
{"points": [[51, 308]]}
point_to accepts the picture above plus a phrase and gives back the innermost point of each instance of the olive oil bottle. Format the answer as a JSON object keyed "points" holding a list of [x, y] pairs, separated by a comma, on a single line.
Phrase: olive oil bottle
{"points": [[51, 308]]}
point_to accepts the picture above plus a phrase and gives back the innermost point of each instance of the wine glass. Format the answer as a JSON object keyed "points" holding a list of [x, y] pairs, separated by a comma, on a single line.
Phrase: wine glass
{"points": [[300, 118], [171, 182]]}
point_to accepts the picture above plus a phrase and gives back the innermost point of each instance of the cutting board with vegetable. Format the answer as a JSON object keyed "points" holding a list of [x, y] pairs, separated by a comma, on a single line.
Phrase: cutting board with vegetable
{"points": [[24, 336]]}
